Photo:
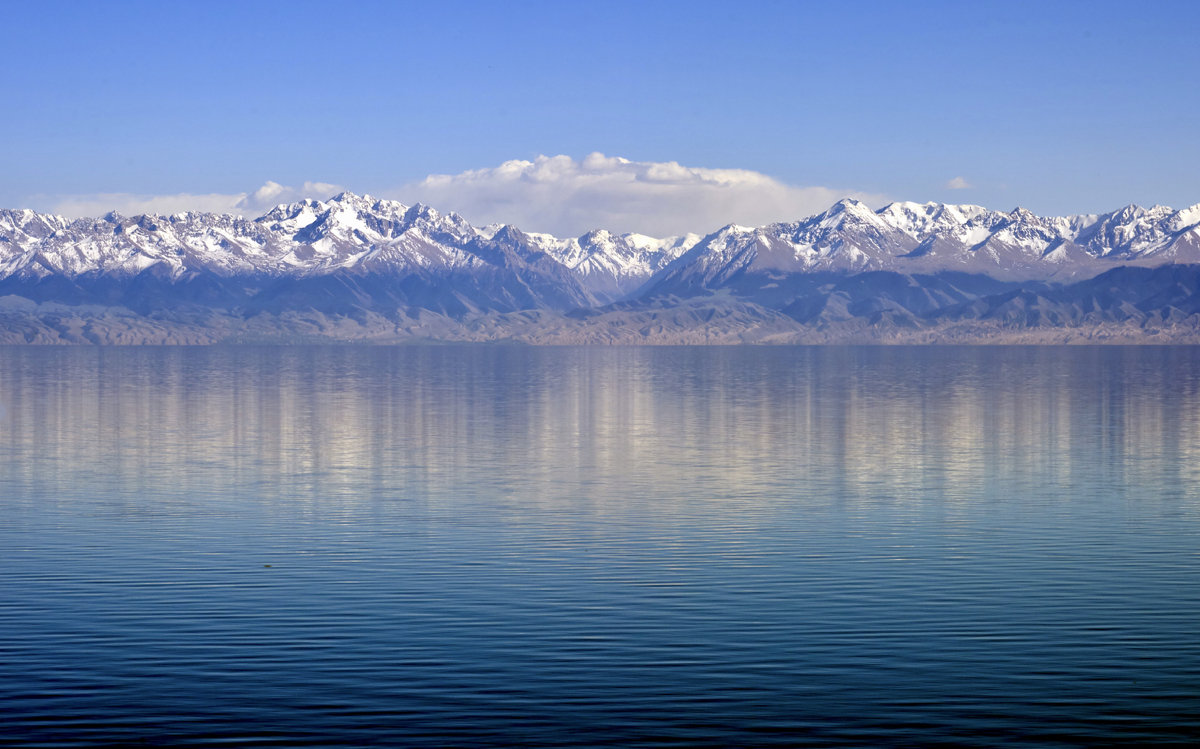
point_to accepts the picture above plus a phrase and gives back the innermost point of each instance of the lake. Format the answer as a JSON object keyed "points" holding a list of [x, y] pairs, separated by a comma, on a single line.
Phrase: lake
{"points": [[497, 546]]}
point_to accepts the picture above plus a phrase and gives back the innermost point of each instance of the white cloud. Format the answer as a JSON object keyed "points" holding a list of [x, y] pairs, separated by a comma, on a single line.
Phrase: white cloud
{"points": [[560, 195], [250, 204], [958, 183]]}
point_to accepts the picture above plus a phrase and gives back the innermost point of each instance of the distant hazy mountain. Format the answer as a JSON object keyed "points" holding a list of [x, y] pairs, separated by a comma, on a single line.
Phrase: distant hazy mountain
{"points": [[356, 268]]}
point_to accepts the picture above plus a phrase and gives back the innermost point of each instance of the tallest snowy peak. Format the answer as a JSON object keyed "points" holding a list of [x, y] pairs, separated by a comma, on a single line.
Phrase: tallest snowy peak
{"points": [[1022, 214], [849, 204], [349, 198], [849, 207], [344, 198], [844, 209]]}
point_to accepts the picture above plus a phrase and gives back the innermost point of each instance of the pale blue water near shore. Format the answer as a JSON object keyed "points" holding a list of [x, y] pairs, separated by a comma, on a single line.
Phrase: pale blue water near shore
{"points": [[477, 546]]}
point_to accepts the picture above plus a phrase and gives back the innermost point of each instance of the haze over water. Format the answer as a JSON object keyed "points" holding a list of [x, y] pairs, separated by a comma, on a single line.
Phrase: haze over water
{"points": [[473, 545]]}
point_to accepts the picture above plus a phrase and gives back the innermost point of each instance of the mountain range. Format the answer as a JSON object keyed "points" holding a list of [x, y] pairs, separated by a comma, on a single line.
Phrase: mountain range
{"points": [[355, 268]]}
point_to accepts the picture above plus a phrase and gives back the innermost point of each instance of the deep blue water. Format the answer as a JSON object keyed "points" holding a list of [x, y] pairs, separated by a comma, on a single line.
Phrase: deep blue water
{"points": [[476, 546]]}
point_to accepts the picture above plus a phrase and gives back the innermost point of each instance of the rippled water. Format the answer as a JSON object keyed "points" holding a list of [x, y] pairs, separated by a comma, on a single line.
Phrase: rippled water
{"points": [[508, 546]]}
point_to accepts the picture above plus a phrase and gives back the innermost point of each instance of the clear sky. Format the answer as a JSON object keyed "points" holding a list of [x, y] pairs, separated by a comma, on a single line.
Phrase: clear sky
{"points": [[1061, 107]]}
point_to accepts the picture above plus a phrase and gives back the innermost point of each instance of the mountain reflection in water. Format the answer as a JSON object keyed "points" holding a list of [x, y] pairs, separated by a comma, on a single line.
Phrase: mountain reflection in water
{"points": [[568, 546]]}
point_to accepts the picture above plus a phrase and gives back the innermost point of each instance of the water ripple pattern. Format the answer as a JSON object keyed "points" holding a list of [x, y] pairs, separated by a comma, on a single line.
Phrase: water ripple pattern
{"points": [[505, 546]]}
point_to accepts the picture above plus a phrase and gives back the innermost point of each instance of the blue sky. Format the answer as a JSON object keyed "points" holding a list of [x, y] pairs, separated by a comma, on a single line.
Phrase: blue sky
{"points": [[1062, 107]]}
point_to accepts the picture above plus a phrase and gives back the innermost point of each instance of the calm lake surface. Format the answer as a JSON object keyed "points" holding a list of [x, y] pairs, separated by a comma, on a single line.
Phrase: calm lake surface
{"points": [[470, 545]]}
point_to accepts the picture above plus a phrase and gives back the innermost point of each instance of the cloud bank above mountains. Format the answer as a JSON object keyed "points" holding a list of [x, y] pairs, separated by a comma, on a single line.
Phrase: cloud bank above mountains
{"points": [[567, 197], [555, 194]]}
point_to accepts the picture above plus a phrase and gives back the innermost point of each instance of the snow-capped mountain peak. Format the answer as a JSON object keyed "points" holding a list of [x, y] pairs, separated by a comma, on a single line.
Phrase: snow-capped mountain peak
{"points": [[361, 233]]}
